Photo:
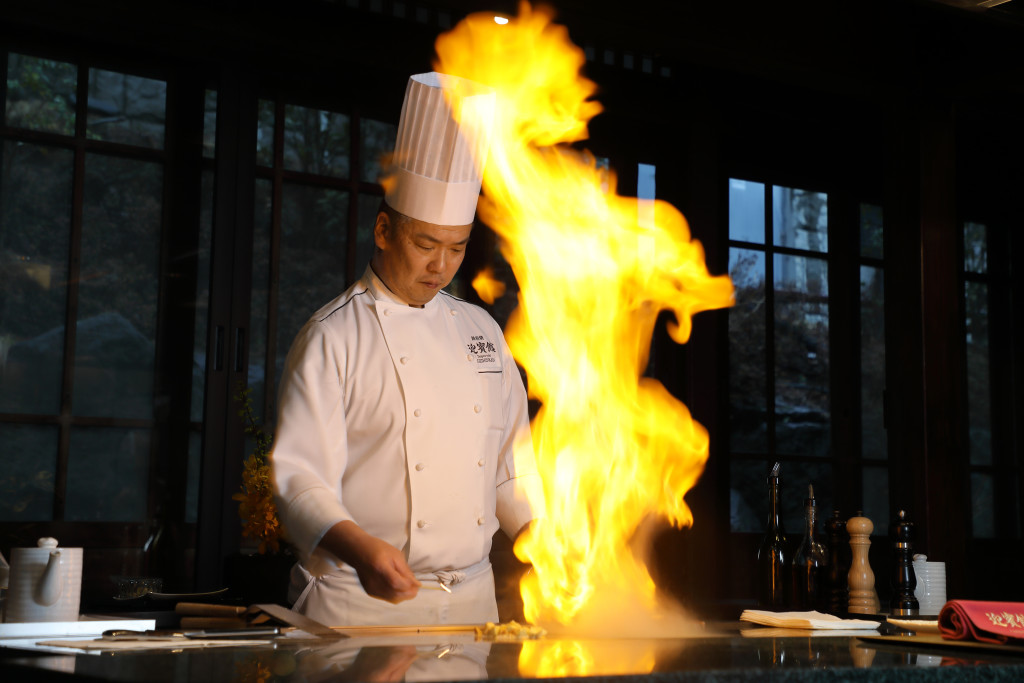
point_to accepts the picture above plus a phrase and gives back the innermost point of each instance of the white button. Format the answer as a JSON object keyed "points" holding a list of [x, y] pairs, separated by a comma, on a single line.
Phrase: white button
{"points": [[421, 524], [477, 408], [453, 311], [403, 360], [481, 462], [420, 466], [480, 521], [469, 357], [387, 311], [417, 412]]}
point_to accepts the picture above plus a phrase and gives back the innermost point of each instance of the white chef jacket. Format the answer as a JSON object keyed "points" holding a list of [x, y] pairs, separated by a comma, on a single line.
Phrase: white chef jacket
{"points": [[402, 420]]}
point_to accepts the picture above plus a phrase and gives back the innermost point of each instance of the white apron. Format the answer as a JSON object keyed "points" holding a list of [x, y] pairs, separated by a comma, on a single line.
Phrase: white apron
{"points": [[337, 599]]}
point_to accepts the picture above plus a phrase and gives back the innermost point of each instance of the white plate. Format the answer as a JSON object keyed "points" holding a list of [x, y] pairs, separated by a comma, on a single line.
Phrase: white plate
{"points": [[915, 625]]}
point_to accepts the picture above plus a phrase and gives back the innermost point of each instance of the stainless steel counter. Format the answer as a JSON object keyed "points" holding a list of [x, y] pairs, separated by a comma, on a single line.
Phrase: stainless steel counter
{"points": [[724, 652]]}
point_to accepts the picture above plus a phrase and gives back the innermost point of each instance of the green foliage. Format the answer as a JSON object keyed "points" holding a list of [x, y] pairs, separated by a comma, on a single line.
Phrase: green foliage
{"points": [[253, 426]]}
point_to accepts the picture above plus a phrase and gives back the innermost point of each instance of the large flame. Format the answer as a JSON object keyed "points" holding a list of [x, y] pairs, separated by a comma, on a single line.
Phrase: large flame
{"points": [[488, 287], [613, 448]]}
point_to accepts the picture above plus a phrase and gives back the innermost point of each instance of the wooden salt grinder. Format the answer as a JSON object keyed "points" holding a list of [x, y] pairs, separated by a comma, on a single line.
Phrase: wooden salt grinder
{"points": [[863, 599]]}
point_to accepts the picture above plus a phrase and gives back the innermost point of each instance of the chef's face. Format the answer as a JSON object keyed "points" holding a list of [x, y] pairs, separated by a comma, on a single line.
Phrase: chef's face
{"points": [[415, 259]]}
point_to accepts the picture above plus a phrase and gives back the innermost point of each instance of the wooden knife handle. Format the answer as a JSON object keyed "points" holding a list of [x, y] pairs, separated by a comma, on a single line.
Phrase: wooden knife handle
{"points": [[200, 609]]}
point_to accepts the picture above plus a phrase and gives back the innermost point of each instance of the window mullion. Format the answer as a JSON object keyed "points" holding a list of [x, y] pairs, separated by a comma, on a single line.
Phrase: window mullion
{"points": [[769, 321], [71, 309]]}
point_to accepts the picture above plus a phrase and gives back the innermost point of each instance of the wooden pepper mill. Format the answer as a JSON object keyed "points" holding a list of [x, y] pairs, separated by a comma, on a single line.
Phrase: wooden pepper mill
{"points": [[904, 581], [863, 599]]}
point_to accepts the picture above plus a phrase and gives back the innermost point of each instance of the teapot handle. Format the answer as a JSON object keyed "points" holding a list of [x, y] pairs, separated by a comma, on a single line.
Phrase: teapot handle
{"points": [[51, 584]]}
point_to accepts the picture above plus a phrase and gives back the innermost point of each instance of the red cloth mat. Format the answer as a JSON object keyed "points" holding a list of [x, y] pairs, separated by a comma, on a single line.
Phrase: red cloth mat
{"points": [[988, 622]]}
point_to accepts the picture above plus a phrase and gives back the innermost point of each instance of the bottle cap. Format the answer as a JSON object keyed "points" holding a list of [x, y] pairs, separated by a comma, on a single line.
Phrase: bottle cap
{"points": [[809, 501], [902, 530]]}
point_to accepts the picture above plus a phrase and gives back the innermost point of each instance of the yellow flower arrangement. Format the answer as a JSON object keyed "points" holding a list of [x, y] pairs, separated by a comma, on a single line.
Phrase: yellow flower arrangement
{"points": [[256, 505]]}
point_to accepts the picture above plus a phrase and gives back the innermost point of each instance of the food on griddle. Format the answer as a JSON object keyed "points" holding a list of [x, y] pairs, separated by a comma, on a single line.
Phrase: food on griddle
{"points": [[510, 630]]}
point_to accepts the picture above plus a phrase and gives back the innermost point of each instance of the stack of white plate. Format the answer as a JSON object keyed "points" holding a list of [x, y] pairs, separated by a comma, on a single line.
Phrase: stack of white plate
{"points": [[931, 585]]}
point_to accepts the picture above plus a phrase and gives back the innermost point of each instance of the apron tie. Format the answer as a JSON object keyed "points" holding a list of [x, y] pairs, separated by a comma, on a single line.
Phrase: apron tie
{"points": [[450, 578]]}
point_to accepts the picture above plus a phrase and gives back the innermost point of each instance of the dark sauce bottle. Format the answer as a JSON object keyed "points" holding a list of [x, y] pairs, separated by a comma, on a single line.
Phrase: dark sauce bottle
{"points": [[809, 562], [771, 556]]}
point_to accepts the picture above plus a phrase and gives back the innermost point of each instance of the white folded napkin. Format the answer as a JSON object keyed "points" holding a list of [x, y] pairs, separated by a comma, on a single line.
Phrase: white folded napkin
{"points": [[811, 620]]}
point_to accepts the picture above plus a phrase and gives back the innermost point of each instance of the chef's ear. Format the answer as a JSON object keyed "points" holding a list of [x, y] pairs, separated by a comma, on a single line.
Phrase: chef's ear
{"points": [[382, 229]]}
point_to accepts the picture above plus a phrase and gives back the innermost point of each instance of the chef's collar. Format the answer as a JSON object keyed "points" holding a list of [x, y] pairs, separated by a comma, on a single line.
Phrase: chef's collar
{"points": [[381, 290]]}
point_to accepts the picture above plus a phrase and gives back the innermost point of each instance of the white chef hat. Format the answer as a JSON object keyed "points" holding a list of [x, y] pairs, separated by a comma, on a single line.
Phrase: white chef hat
{"points": [[437, 165]]}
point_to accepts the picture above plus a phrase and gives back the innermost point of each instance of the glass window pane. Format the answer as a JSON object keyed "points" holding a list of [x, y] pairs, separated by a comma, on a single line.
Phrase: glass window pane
{"points": [[41, 94], [983, 519], [747, 334], [316, 141], [979, 407], [259, 307], [872, 362], [800, 218], [369, 205], [646, 192], [35, 222], [377, 141], [748, 495], [746, 211], [795, 480], [265, 134], [26, 481], [108, 475], [118, 288], [312, 258], [871, 231], [126, 109], [975, 248], [210, 124], [802, 414], [876, 498]]}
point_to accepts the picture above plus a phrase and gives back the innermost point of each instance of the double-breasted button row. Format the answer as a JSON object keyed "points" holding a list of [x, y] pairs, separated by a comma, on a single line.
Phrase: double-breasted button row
{"points": [[419, 467], [480, 521]]}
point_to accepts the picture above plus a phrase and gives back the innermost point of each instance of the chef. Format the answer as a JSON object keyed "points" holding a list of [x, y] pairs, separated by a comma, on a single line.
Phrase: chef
{"points": [[402, 441]]}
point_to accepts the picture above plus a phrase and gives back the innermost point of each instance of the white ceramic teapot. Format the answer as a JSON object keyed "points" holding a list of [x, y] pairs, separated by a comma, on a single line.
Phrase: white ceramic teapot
{"points": [[45, 583]]}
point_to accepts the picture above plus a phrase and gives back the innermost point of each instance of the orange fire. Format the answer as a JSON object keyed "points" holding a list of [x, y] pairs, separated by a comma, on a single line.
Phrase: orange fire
{"points": [[614, 449], [487, 287]]}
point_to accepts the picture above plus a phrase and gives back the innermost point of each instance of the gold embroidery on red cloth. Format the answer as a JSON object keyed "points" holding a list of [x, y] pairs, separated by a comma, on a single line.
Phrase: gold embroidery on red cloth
{"points": [[1006, 619]]}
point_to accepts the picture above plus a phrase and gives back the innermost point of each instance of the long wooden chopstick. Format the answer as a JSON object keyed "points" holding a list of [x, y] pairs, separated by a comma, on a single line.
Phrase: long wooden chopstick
{"points": [[405, 629]]}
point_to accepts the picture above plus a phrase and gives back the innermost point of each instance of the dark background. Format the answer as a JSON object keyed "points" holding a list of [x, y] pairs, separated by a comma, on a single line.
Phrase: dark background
{"points": [[913, 104]]}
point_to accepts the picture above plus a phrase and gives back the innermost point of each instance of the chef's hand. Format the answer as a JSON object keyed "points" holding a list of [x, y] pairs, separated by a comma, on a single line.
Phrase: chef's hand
{"points": [[381, 567]]}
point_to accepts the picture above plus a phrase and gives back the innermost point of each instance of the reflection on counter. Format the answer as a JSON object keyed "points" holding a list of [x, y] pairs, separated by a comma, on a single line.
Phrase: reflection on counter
{"points": [[545, 658], [387, 659], [457, 656]]}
